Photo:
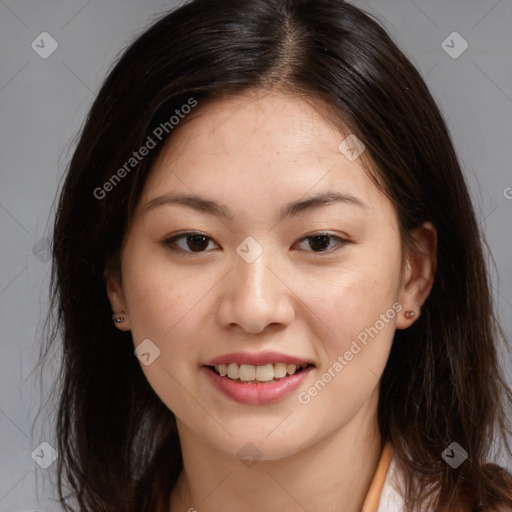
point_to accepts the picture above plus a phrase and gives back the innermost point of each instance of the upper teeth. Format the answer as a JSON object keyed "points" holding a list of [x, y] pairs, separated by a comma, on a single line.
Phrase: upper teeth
{"points": [[264, 373]]}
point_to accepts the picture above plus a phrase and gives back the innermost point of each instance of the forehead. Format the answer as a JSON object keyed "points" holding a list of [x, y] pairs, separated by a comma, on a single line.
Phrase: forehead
{"points": [[270, 146], [239, 124]]}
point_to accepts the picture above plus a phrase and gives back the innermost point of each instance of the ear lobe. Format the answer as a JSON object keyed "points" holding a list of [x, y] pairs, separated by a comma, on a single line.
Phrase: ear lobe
{"points": [[117, 302], [419, 272]]}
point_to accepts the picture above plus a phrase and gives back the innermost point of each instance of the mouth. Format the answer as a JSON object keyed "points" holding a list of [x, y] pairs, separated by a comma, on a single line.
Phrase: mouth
{"points": [[261, 374]]}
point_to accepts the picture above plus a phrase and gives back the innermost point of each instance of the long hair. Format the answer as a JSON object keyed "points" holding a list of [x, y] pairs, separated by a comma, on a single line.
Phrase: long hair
{"points": [[118, 442]]}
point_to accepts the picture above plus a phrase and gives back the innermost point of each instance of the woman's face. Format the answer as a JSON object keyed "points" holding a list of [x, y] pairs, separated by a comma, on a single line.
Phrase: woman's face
{"points": [[265, 277]]}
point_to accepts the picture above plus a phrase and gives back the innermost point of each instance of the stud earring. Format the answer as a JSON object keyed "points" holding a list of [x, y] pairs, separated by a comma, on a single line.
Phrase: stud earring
{"points": [[409, 314], [117, 319]]}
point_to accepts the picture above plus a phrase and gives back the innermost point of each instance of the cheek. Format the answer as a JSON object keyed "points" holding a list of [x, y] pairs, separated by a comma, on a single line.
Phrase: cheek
{"points": [[167, 306], [359, 312], [171, 306], [161, 298], [352, 300]]}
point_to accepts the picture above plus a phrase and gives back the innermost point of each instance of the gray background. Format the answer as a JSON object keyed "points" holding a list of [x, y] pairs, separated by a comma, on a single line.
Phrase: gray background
{"points": [[43, 103]]}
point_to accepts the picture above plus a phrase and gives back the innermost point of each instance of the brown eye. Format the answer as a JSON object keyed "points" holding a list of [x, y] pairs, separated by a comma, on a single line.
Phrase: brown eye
{"points": [[189, 242], [320, 242]]}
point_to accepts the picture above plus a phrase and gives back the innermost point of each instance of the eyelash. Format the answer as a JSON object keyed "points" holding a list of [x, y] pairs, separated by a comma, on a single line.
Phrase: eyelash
{"points": [[170, 242]]}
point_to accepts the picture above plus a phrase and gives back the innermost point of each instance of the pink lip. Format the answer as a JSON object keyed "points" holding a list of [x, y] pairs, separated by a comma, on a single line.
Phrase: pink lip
{"points": [[256, 359], [257, 393]]}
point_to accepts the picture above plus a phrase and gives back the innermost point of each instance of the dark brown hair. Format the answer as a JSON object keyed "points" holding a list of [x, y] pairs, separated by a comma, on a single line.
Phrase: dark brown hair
{"points": [[118, 442]]}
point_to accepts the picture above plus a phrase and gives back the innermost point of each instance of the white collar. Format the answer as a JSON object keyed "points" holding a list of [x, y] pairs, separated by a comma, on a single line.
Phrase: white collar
{"points": [[391, 499]]}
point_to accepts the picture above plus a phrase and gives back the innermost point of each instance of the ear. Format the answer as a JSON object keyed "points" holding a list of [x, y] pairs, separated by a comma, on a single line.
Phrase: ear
{"points": [[418, 273], [117, 301]]}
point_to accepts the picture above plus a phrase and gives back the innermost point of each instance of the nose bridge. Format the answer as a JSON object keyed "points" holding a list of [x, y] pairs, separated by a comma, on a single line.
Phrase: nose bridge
{"points": [[252, 259], [253, 278], [255, 297]]}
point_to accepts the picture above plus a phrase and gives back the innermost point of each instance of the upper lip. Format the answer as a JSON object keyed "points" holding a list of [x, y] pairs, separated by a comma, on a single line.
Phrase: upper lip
{"points": [[256, 359]]}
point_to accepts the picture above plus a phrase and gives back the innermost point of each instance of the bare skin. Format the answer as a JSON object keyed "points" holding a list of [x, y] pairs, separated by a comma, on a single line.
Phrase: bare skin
{"points": [[253, 154]]}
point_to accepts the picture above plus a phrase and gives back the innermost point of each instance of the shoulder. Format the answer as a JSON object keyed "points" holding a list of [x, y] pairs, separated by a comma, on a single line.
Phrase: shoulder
{"points": [[392, 494]]}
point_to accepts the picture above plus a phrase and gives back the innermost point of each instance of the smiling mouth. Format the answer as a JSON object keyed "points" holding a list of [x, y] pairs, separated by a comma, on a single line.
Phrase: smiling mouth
{"points": [[250, 374]]}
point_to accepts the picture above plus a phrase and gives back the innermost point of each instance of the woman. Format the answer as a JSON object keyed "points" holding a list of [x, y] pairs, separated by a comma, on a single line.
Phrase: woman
{"points": [[266, 205]]}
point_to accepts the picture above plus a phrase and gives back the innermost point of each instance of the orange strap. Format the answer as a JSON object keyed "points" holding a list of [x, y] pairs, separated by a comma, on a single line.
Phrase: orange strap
{"points": [[371, 503]]}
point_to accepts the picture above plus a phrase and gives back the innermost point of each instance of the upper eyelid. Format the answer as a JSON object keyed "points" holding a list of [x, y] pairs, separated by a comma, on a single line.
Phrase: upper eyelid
{"points": [[172, 239]]}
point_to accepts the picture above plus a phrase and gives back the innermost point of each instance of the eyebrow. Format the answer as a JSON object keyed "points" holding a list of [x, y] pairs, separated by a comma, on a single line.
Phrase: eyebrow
{"points": [[214, 208]]}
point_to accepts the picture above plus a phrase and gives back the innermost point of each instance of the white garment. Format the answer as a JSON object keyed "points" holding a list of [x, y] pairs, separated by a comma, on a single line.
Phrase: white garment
{"points": [[391, 497], [391, 500]]}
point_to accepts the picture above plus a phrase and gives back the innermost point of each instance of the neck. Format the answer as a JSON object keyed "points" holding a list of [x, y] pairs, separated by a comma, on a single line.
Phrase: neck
{"points": [[332, 475]]}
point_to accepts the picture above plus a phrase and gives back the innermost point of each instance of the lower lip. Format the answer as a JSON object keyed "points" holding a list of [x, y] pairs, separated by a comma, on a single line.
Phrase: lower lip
{"points": [[260, 392]]}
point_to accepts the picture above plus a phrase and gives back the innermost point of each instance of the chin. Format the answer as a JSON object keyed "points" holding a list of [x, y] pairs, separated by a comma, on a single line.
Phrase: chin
{"points": [[259, 444]]}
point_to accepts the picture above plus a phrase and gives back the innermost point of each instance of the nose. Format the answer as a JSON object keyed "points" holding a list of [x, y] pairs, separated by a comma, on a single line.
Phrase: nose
{"points": [[256, 295]]}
